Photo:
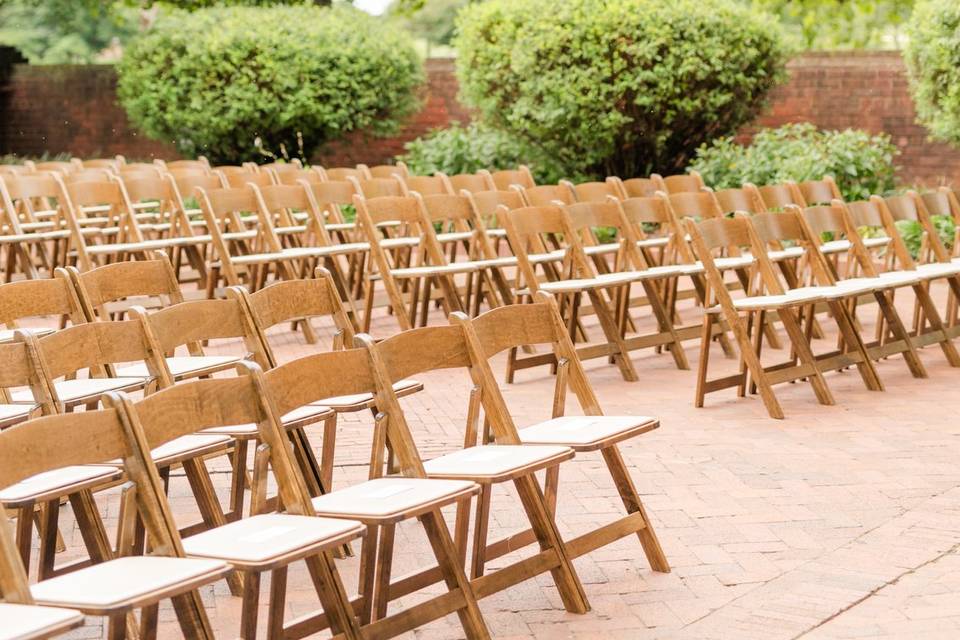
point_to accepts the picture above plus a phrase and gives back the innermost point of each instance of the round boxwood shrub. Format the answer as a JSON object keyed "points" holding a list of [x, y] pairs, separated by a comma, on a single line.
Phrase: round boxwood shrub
{"points": [[621, 87], [933, 62], [215, 80], [861, 164], [467, 149]]}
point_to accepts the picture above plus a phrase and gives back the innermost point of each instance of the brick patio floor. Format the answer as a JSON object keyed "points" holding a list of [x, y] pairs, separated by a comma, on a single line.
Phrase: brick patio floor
{"points": [[838, 522]]}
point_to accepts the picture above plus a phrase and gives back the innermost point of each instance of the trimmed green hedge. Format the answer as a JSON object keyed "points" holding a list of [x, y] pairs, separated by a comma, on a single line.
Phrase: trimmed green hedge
{"points": [[623, 87], [215, 80], [860, 163], [933, 62]]}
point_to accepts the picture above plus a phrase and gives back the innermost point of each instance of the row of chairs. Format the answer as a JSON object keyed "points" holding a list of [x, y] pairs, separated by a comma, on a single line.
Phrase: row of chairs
{"points": [[134, 432]]}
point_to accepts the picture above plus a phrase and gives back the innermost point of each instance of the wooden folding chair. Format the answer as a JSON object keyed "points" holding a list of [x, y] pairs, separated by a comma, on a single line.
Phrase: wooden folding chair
{"points": [[722, 233], [340, 173], [385, 170], [391, 187], [488, 465], [545, 195], [382, 502], [409, 243], [814, 192], [117, 586], [595, 191], [200, 164], [540, 323], [37, 298], [526, 229], [428, 185], [107, 293], [38, 200], [264, 541], [280, 303]]}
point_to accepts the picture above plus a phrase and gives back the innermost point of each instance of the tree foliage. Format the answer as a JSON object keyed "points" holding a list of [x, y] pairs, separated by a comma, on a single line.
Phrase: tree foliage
{"points": [[216, 80], [621, 87], [933, 62], [841, 24]]}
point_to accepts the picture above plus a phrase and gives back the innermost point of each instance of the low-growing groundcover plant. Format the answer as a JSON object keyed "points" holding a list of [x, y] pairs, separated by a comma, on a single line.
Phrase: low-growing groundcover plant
{"points": [[862, 164], [932, 56], [469, 148], [617, 87], [215, 80]]}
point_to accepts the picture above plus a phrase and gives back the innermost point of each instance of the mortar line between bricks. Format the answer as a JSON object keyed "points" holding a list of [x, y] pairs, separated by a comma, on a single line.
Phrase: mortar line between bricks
{"points": [[878, 589], [812, 561]]}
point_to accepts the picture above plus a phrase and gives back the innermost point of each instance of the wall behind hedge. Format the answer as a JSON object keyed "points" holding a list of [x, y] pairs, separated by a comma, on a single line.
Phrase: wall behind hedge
{"points": [[73, 109]]}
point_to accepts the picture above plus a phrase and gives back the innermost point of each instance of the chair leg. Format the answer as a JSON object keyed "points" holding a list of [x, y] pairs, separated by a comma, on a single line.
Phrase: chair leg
{"points": [[805, 355], [333, 597], [633, 504], [481, 524], [192, 616], [368, 572], [381, 591], [545, 528], [936, 325], [471, 619], [900, 332], [251, 605], [703, 359], [148, 622], [278, 602]]}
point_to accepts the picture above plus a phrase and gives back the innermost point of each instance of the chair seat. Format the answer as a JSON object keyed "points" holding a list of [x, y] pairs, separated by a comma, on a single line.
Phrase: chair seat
{"points": [[587, 433], [29, 622], [653, 242], [899, 278], [575, 285], [541, 258], [872, 243], [734, 262], [938, 269], [58, 482], [454, 236], [6, 335], [495, 462], [332, 250], [84, 389], [835, 246], [402, 241], [13, 413], [497, 232], [271, 540], [602, 249], [789, 253], [188, 447], [506, 261], [299, 417], [385, 500], [127, 583], [360, 401], [434, 270], [789, 299], [183, 366]]}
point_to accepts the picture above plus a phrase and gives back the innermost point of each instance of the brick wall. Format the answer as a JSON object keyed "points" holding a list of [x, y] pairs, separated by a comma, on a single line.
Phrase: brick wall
{"points": [[866, 90], [73, 109]]}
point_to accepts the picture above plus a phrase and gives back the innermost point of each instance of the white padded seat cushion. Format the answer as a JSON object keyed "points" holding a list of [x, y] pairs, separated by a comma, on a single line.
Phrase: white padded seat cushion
{"points": [[403, 387], [586, 431], [57, 480], [181, 365], [389, 497], [938, 269], [299, 415], [260, 538], [23, 621], [188, 447], [69, 390], [495, 460], [11, 411], [119, 582]]}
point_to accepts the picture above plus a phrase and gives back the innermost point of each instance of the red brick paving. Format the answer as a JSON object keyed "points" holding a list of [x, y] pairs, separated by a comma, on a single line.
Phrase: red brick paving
{"points": [[838, 522]]}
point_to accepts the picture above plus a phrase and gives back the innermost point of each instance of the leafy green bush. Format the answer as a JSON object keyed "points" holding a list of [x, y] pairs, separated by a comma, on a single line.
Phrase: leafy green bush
{"points": [[912, 232], [933, 62], [621, 87], [467, 149], [861, 164], [215, 80]]}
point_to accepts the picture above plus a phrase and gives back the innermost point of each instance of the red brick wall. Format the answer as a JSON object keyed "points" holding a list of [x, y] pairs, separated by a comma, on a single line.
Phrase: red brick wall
{"points": [[866, 90], [73, 109]]}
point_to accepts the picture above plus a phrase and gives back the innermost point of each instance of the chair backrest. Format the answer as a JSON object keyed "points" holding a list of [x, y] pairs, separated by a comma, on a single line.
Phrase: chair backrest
{"points": [[95, 346], [594, 191], [528, 230], [186, 181], [34, 298], [385, 170], [506, 178], [279, 202], [429, 185], [681, 183], [839, 218], [56, 166], [81, 196], [188, 165], [195, 321], [294, 175], [638, 187], [487, 202], [19, 370], [819, 191], [192, 406], [222, 209], [339, 373], [941, 202], [244, 177], [778, 196], [331, 195], [114, 282], [472, 182], [548, 194], [288, 300], [745, 199], [341, 173], [405, 216], [379, 187], [694, 204], [88, 175]]}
